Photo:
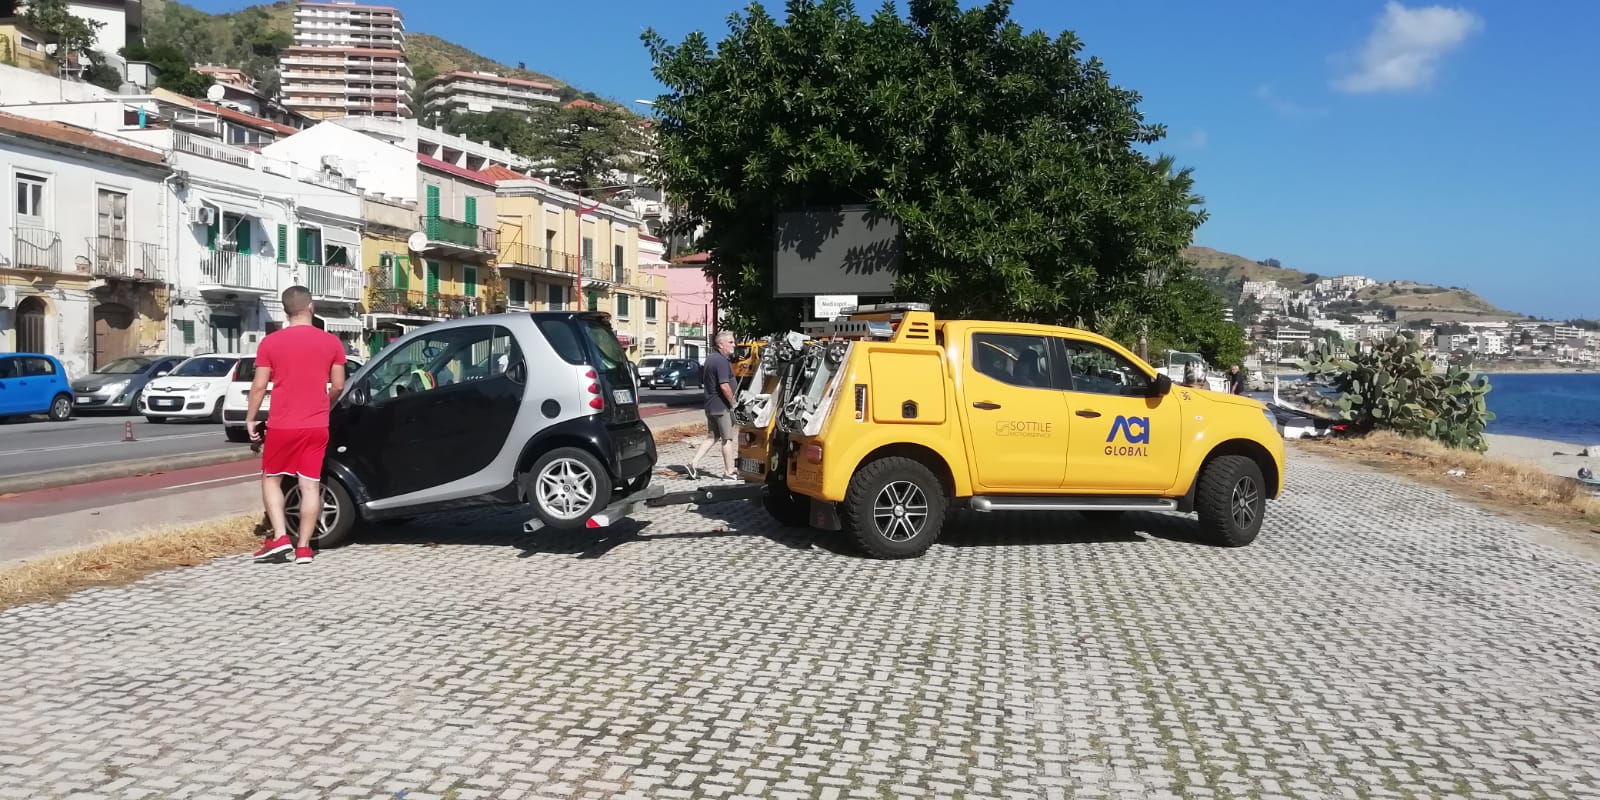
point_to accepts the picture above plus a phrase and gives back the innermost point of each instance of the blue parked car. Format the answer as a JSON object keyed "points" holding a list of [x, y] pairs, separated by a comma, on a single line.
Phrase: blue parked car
{"points": [[31, 383]]}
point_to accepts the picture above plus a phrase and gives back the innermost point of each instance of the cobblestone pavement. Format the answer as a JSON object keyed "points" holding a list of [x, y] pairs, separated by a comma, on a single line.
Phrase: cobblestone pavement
{"points": [[1378, 640]]}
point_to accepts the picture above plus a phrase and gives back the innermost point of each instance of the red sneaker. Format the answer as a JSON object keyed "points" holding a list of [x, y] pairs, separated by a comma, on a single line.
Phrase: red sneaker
{"points": [[273, 547], [302, 555]]}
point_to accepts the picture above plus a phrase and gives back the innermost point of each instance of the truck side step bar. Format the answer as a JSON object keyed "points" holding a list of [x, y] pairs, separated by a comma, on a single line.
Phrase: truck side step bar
{"points": [[991, 504]]}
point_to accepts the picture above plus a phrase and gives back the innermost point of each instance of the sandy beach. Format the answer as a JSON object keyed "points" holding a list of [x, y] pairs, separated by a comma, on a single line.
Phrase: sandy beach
{"points": [[1543, 452]]}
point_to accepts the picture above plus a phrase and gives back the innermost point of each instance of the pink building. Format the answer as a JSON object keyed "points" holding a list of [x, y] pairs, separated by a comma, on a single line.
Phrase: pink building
{"points": [[688, 298]]}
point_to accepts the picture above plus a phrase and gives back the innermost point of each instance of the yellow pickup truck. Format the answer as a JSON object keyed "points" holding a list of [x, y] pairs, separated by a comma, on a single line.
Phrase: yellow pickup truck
{"points": [[887, 417]]}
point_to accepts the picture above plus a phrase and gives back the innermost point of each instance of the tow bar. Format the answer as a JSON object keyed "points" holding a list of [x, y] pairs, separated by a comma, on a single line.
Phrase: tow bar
{"points": [[656, 497]]}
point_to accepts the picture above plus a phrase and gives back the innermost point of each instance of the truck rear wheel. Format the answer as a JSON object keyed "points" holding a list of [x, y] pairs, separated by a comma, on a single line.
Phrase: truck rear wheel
{"points": [[1231, 500], [894, 508]]}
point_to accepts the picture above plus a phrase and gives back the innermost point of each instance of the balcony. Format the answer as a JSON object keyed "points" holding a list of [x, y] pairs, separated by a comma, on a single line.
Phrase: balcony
{"points": [[462, 237], [417, 303], [517, 256], [242, 272], [36, 249], [210, 148], [120, 259], [599, 272], [341, 284], [689, 330]]}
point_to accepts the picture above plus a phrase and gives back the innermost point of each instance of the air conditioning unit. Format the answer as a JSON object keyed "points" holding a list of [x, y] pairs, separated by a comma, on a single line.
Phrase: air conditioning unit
{"points": [[205, 215]]}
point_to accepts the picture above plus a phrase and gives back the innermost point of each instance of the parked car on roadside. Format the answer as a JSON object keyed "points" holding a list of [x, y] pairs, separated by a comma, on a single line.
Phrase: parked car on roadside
{"points": [[538, 408], [237, 402], [193, 390], [647, 366], [33, 383], [117, 385], [676, 373]]}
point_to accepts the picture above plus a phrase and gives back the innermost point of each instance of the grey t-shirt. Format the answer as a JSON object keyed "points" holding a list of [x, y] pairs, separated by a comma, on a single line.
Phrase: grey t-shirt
{"points": [[715, 372]]}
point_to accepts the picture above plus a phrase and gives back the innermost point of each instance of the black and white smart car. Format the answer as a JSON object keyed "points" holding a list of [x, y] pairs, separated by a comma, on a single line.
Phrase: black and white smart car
{"points": [[538, 408]]}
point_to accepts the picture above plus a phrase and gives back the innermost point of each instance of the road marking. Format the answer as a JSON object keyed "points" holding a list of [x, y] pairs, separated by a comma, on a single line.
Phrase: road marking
{"points": [[102, 444], [213, 480]]}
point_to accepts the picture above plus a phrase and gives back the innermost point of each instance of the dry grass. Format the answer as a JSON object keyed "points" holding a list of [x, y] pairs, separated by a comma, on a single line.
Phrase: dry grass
{"points": [[1503, 483], [121, 561], [680, 433]]}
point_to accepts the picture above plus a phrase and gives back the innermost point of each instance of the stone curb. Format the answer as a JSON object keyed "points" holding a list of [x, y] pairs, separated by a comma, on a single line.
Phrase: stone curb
{"points": [[56, 478]]}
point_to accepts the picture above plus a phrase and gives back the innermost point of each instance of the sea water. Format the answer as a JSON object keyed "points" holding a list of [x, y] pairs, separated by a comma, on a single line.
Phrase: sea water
{"points": [[1562, 407]]}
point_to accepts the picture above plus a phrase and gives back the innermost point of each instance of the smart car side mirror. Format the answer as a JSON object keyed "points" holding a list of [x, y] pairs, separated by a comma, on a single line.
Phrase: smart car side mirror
{"points": [[357, 396], [1161, 386], [161, 372]]}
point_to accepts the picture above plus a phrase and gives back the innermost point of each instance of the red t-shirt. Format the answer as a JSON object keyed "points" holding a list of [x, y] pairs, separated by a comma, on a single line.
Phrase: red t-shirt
{"points": [[300, 357]]}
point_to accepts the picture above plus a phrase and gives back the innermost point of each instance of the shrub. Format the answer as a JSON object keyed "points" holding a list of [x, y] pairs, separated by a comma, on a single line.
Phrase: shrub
{"points": [[1396, 386]]}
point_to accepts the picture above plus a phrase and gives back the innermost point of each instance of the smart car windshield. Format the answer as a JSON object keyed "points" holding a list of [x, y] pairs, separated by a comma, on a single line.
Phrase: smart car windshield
{"points": [[204, 367], [124, 366]]}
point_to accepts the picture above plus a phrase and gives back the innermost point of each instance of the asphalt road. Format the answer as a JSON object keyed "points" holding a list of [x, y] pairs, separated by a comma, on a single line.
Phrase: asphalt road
{"points": [[95, 439]]}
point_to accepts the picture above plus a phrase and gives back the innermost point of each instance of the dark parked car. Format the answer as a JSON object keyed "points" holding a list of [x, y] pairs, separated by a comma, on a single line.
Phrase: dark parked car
{"points": [[116, 386], [677, 373], [33, 383], [537, 408]]}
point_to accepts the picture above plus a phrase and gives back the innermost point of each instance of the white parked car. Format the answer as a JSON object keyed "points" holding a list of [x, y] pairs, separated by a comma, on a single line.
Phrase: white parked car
{"points": [[648, 366], [237, 402], [193, 390]]}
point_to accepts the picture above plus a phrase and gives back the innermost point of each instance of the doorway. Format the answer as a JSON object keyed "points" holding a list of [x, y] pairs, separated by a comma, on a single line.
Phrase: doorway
{"points": [[113, 333], [30, 326]]}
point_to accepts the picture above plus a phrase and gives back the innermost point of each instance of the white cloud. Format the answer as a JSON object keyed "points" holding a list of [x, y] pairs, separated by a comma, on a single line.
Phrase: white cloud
{"points": [[1404, 49], [1266, 94]]}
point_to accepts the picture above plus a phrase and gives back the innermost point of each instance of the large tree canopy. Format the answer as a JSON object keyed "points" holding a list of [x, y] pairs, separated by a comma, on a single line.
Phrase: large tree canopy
{"points": [[1008, 159]]}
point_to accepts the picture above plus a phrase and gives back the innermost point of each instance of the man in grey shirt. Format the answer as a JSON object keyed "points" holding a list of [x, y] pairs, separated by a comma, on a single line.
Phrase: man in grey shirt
{"points": [[717, 379]]}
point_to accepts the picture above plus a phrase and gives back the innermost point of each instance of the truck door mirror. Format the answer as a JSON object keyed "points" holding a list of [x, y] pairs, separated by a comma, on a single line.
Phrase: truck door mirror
{"points": [[1161, 386]]}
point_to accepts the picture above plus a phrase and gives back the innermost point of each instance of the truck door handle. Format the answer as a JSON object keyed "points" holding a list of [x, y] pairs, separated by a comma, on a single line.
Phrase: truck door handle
{"points": [[1088, 413], [986, 406]]}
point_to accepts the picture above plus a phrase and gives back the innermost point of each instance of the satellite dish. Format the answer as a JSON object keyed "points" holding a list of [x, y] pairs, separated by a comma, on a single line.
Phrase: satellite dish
{"points": [[417, 240], [216, 92]]}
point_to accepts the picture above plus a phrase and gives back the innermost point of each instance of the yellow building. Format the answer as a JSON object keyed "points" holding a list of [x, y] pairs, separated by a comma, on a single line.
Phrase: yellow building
{"points": [[22, 45], [554, 241]]}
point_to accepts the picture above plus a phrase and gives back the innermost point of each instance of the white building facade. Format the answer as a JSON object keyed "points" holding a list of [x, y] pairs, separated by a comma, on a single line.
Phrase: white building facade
{"points": [[483, 92]]}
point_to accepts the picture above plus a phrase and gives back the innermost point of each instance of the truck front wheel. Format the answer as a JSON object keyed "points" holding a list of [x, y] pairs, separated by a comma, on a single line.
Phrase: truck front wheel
{"points": [[1231, 500], [894, 508]]}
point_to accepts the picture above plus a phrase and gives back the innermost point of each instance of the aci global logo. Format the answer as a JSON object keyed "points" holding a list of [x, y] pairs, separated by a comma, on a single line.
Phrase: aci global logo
{"points": [[1135, 433]]}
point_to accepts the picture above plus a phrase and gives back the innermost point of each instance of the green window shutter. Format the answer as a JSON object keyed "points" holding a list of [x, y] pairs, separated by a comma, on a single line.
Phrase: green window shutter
{"points": [[649, 308], [402, 273], [433, 277], [594, 301], [241, 235], [622, 305], [469, 276], [472, 211], [433, 201], [211, 232], [283, 244]]}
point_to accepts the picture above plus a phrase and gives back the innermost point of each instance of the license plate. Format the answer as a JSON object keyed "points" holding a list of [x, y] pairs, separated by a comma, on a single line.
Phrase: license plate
{"points": [[164, 403], [622, 397], [750, 465], [81, 400]]}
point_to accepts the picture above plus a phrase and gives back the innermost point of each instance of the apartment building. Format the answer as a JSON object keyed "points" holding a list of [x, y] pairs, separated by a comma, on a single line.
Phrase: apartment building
{"points": [[23, 45], [437, 144], [482, 92], [347, 60], [82, 266]]}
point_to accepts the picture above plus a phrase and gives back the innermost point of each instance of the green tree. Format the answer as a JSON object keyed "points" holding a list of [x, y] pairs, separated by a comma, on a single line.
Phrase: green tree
{"points": [[501, 128], [421, 73], [1188, 317], [583, 146], [72, 34], [173, 70], [1009, 161]]}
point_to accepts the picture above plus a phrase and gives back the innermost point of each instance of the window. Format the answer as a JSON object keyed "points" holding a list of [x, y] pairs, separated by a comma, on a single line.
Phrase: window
{"points": [[469, 280], [335, 255], [206, 366], [588, 256], [1096, 370], [310, 245], [186, 327], [34, 367], [1012, 359], [517, 292], [622, 305], [447, 358], [650, 308], [111, 227], [594, 301], [236, 233], [226, 334], [555, 297], [10, 368], [549, 249], [30, 198], [617, 257]]}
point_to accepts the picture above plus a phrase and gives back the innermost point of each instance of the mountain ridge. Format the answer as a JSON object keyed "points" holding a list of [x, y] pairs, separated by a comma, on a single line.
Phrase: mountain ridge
{"points": [[1410, 300]]}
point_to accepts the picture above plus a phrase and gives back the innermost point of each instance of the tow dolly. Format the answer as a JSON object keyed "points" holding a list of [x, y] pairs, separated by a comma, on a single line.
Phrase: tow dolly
{"points": [[656, 497]]}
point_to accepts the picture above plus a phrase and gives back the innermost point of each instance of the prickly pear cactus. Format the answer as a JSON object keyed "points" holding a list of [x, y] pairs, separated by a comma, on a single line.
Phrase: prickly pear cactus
{"points": [[1395, 385]]}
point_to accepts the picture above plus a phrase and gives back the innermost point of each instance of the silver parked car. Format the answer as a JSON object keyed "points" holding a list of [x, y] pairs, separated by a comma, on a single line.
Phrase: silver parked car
{"points": [[117, 385]]}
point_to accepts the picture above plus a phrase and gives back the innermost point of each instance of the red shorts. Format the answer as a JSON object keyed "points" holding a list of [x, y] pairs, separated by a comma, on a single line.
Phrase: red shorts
{"points": [[294, 451]]}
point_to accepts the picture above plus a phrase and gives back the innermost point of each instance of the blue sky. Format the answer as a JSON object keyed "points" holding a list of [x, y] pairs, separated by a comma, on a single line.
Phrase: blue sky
{"points": [[1453, 144]]}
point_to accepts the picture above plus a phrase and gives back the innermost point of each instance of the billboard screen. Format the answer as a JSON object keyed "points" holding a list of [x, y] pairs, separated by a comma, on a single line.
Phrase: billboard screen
{"points": [[840, 250]]}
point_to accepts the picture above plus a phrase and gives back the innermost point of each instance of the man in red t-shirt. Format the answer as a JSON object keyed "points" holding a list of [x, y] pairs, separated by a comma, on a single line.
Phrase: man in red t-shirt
{"points": [[305, 366]]}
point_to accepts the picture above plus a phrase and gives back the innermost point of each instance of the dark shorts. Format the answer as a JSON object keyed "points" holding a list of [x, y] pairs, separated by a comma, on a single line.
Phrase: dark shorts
{"points": [[719, 424], [294, 451]]}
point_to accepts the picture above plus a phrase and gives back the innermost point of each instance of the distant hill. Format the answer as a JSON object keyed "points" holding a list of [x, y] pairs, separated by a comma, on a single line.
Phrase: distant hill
{"points": [[235, 38], [1410, 300]]}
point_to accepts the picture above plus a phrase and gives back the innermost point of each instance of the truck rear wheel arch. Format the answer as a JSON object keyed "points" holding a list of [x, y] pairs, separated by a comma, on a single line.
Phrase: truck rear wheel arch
{"points": [[926, 456]]}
